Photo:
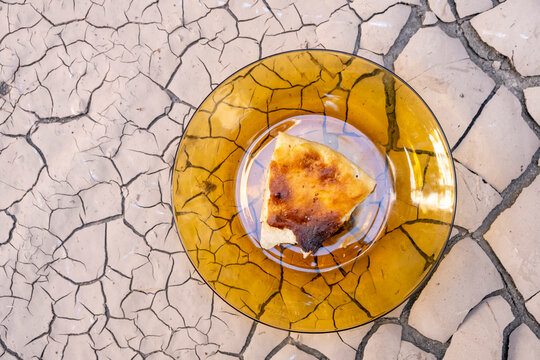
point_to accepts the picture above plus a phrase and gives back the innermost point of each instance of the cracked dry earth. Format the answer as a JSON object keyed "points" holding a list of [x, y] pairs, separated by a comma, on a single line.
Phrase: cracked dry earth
{"points": [[94, 97]]}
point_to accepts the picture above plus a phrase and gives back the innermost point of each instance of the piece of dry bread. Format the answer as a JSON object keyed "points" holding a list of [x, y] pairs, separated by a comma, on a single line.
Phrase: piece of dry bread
{"points": [[310, 192]]}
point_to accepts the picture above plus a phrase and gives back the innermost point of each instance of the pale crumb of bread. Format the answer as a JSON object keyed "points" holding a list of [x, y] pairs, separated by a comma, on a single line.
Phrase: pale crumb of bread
{"points": [[272, 236]]}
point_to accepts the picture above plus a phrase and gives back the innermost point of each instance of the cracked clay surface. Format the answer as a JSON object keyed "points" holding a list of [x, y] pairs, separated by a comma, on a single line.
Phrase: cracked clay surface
{"points": [[94, 98]]}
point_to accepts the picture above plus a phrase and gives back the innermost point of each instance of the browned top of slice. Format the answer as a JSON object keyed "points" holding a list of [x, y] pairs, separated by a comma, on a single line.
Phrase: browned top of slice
{"points": [[313, 190]]}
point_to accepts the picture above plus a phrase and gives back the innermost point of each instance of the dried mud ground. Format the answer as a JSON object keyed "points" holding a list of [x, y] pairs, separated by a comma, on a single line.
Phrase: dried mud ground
{"points": [[94, 96]]}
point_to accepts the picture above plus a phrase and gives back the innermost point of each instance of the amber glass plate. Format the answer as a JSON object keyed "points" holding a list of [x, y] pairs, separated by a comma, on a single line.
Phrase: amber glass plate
{"points": [[394, 238]]}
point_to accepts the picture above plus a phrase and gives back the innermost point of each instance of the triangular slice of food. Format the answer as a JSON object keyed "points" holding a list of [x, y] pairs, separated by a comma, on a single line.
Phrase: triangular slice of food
{"points": [[311, 191]]}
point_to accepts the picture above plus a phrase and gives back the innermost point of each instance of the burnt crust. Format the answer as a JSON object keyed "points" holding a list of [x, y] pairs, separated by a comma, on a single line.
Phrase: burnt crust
{"points": [[310, 221]]}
